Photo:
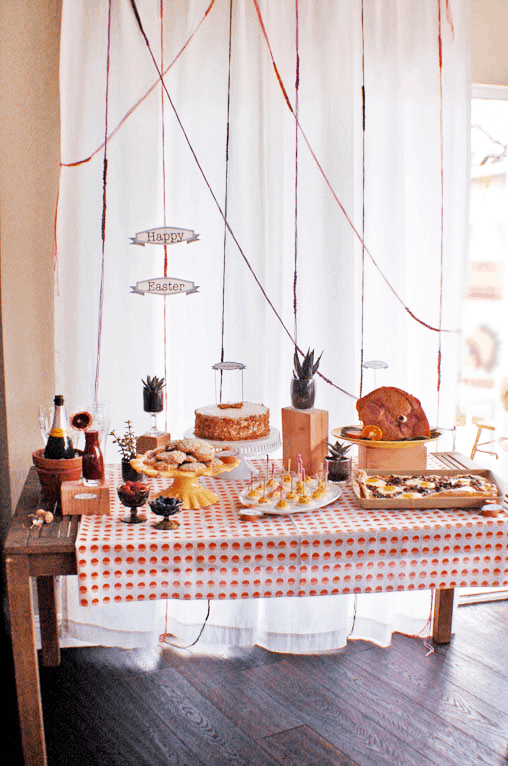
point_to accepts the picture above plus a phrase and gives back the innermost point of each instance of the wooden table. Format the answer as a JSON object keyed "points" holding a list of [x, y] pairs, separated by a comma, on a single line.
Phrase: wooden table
{"points": [[45, 553]]}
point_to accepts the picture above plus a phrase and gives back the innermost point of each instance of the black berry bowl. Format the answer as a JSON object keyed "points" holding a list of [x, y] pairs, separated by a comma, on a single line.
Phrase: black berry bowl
{"points": [[166, 507]]}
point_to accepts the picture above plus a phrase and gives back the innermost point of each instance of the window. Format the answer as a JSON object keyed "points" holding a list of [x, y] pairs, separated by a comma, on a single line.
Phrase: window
{"points": [[483, 386]]}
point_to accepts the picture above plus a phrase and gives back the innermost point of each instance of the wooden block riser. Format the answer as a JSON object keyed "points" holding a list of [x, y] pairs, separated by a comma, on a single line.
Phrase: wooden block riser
{"points": [[407, 459], [148, 441], [305, 434], [79, 500]]}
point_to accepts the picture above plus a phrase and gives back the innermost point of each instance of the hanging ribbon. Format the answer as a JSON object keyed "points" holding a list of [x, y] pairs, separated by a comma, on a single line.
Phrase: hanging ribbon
{"points": [[362, 320], [163, 141], [143, 97], [215, 200], [104, 190], [297, 90], [441, 181], [226, 180], [332, 190]]}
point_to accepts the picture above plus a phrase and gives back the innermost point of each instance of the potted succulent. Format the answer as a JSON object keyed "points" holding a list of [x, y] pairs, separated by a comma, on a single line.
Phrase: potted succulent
{"points": [[338, 465], [127, 445], [302, 386]]}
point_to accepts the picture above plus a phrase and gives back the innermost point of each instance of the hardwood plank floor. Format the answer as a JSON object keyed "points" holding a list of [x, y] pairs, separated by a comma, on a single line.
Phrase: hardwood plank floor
{"points": [[362, 706]]}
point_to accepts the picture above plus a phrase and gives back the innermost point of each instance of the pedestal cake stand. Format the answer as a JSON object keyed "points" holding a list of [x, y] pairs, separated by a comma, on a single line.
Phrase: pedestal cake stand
{"points": [[186, 484], [245, 449]]}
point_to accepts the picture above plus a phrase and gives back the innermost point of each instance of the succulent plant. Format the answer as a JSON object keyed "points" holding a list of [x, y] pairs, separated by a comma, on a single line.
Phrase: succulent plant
{"points": [[154, 385], [307, 368], [338, 451]]}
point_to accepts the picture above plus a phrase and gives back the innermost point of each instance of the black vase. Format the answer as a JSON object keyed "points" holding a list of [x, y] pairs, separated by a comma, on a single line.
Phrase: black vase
{"points": [[152, 401], [129, 473], [303, 393], [338, 470]]}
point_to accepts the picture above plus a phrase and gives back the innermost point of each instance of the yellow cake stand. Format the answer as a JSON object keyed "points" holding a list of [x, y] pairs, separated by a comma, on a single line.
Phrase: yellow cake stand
{"points": [[186, 484]]}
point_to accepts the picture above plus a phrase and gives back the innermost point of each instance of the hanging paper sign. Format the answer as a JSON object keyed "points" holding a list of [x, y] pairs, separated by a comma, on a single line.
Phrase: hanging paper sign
{"points": [[164, 286], [165, 235]]}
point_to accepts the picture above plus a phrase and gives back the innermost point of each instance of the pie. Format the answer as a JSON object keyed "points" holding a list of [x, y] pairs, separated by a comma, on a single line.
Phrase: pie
{"points": [[411, 487]]}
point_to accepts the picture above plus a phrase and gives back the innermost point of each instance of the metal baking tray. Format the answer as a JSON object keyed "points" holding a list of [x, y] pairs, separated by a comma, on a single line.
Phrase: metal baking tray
{"points": [[457, 501]]}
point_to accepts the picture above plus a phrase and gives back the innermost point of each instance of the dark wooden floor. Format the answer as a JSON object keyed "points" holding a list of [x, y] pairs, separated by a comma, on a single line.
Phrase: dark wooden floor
{"points": [[364, 705]]}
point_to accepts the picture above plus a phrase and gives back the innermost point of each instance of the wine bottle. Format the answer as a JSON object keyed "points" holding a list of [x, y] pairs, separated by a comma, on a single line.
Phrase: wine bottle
{"points": [[59, 446]]}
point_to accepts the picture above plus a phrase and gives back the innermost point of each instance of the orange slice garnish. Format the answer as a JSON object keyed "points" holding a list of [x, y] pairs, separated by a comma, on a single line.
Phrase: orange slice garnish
{"points": [[372, 432]]}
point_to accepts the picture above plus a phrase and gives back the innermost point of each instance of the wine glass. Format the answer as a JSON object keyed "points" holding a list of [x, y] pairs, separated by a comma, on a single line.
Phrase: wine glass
{"points": [[82, 417], [85, 416], [46, 413], [133, 494]]}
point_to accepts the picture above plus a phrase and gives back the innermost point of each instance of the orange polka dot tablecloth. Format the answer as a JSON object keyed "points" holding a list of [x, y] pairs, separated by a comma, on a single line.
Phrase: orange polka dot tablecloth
{"points": [[340, 548]]}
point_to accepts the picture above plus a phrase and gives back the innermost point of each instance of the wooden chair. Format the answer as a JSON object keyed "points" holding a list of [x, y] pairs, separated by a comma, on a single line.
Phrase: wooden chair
{"points": [[482, 426]]}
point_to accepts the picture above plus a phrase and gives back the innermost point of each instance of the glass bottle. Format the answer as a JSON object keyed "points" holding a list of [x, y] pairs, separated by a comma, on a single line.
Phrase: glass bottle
{"points": [[93, 461], [59, 445]]}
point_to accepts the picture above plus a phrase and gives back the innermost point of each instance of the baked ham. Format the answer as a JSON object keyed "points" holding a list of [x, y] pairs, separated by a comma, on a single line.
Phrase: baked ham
{"points": [[398, 414]]}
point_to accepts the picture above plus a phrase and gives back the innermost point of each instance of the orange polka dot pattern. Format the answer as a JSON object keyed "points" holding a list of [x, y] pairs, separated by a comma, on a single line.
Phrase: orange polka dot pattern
{"points": [[337, 549]]}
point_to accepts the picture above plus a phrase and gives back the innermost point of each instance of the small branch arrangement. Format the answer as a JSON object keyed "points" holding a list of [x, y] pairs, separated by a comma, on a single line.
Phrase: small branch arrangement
{"points": [[127, 443]]}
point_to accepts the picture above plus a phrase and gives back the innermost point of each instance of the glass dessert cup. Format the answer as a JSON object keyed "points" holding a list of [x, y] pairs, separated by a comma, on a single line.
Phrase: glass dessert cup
{"points": [[166, 507], [133, 495]]}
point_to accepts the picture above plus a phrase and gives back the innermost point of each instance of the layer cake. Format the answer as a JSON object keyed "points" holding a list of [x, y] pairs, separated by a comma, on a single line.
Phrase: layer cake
{"points": [[232, 423]]}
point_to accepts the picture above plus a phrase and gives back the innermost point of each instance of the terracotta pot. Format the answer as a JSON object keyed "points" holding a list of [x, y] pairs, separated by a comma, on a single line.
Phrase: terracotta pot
{"points": [[52, 473]]}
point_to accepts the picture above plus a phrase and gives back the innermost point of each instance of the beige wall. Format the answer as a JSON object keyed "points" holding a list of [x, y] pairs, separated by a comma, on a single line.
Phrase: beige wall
{"points": [[489, 31], [29, 164]]}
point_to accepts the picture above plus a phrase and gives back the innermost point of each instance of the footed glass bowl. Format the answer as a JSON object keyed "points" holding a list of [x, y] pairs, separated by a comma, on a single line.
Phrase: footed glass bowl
{"points": [[133, 494], [166, 507]]}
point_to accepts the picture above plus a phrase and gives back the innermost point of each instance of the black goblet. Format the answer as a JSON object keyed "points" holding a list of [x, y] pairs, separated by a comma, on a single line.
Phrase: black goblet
{"points": [[133, 494], [166, 507]]}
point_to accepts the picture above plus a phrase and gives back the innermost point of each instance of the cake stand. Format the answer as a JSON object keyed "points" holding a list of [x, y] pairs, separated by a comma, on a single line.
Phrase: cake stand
{"points": [[186, 484], [372, 453], [244, 449], [352, 434]]}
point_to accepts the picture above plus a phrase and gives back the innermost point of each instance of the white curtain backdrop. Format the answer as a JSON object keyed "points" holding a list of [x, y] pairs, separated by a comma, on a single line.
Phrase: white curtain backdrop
{"points": [[395, 52]]}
